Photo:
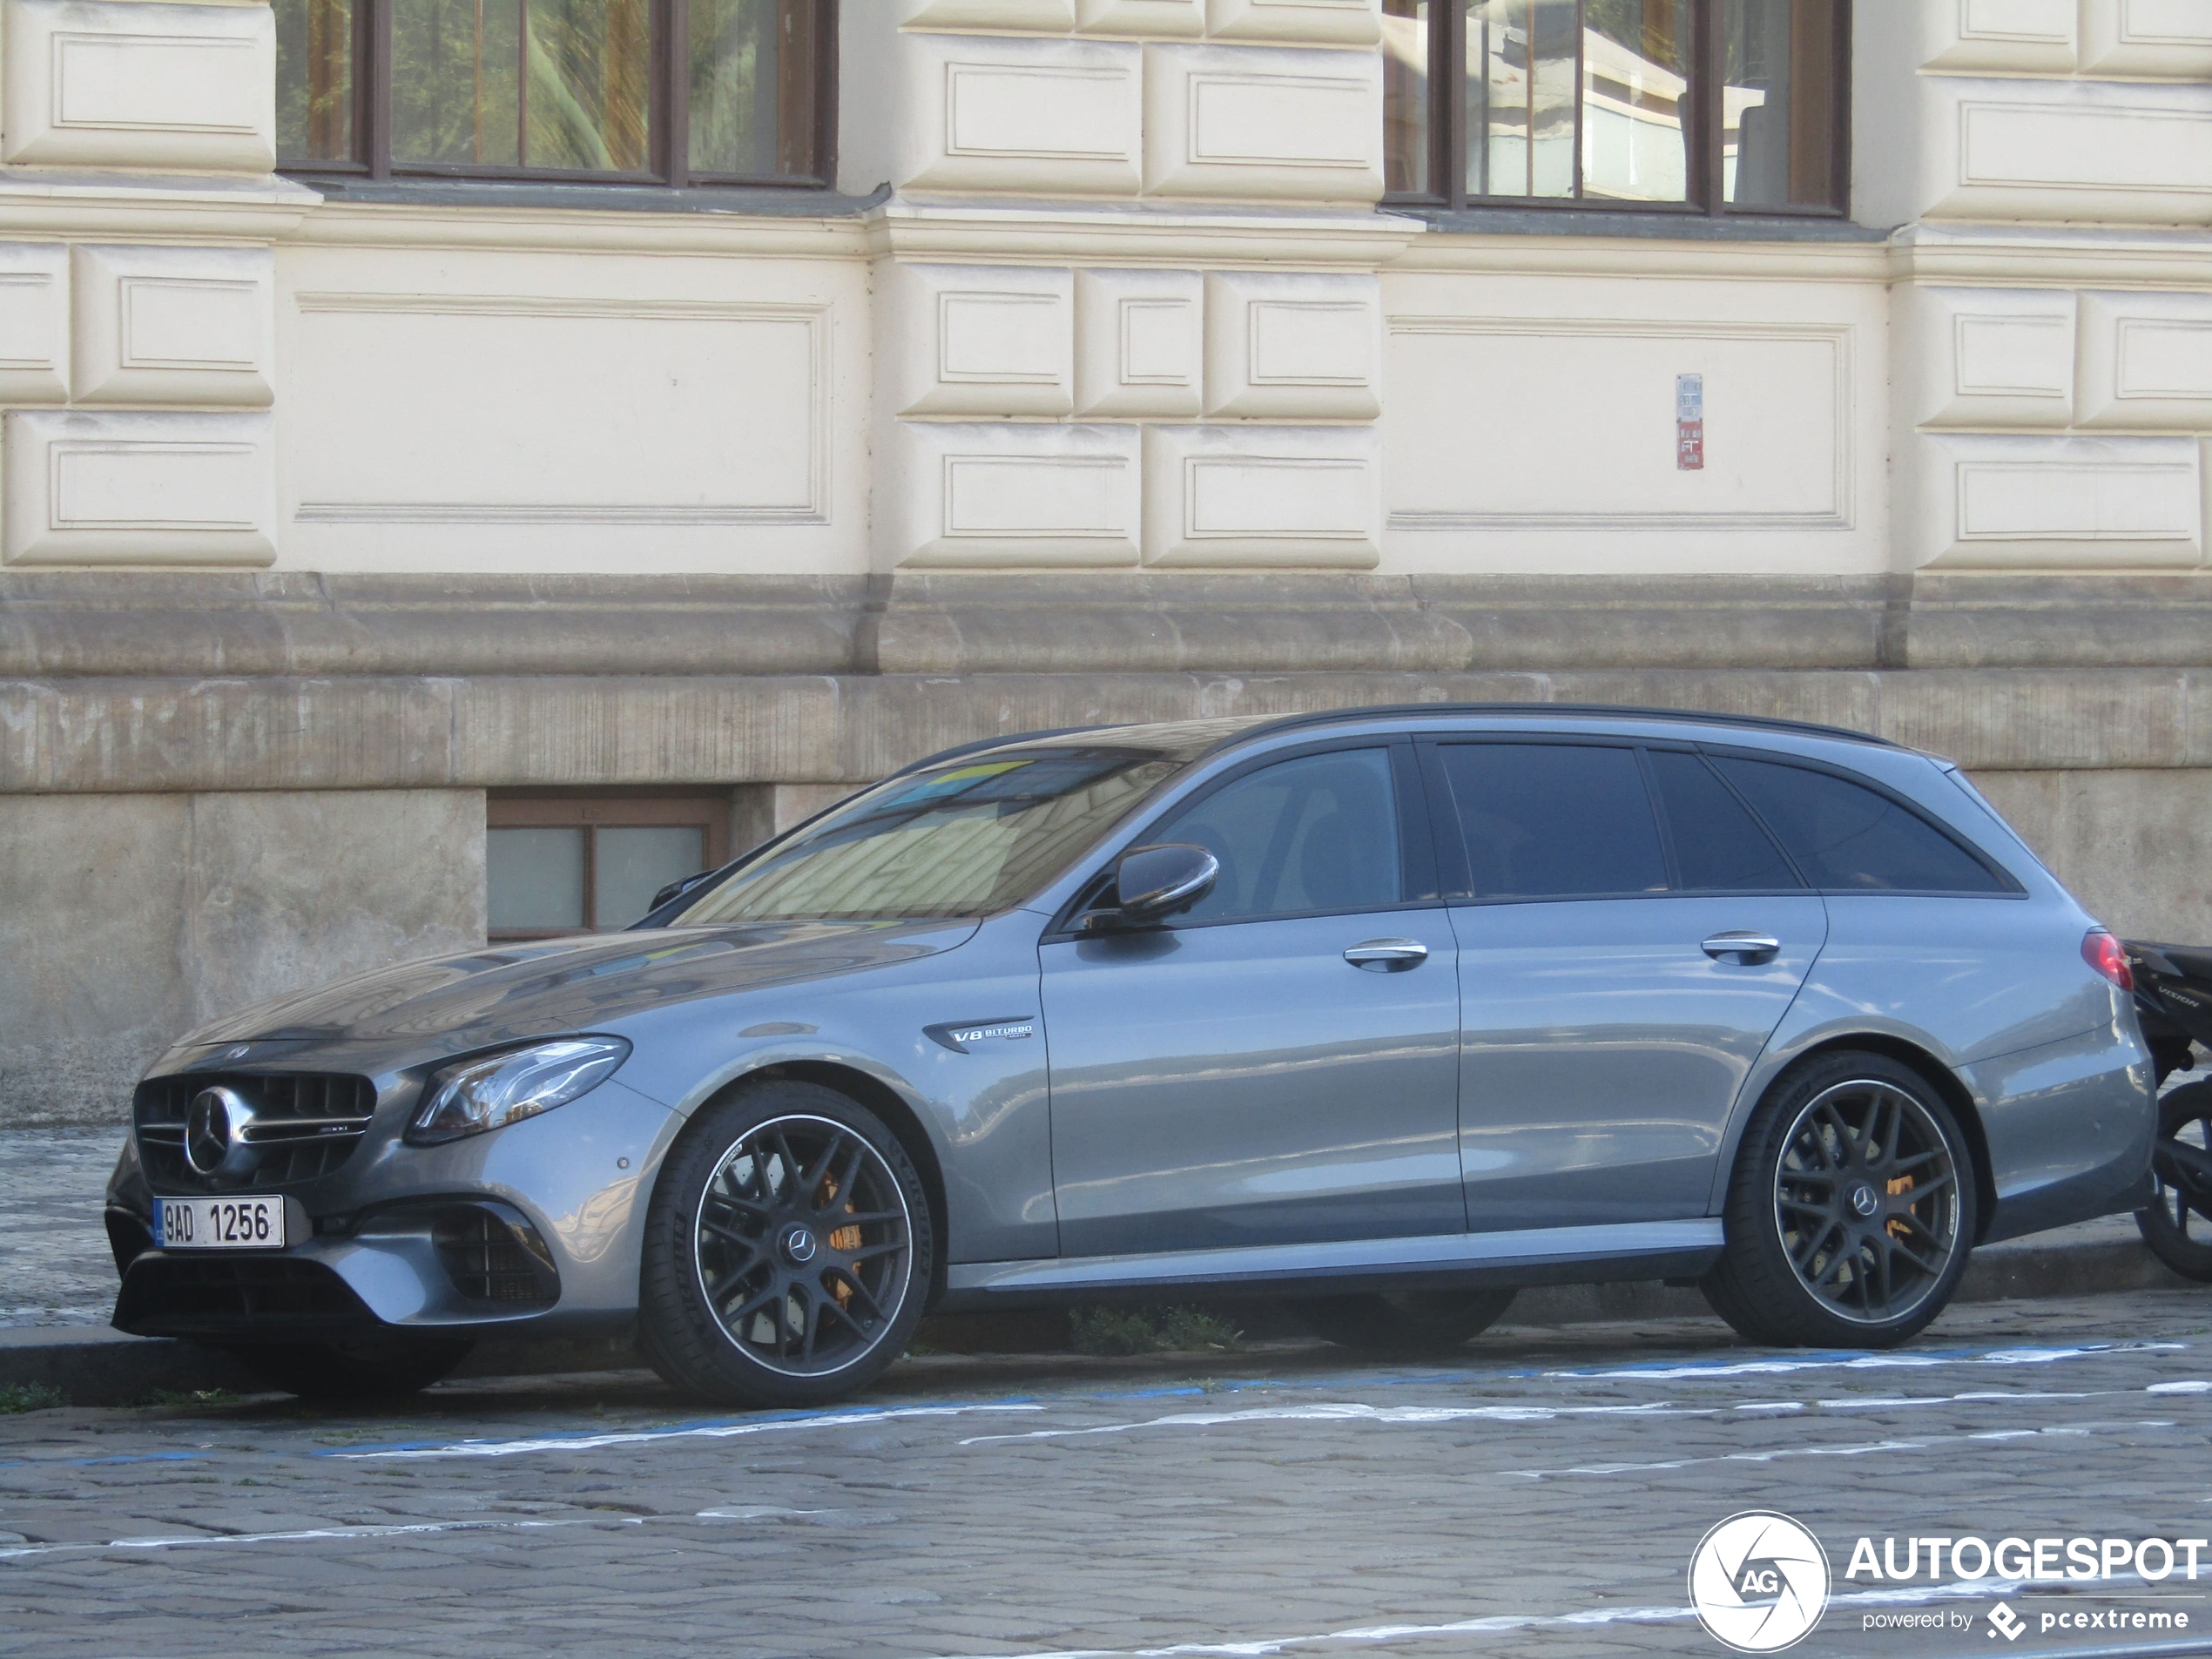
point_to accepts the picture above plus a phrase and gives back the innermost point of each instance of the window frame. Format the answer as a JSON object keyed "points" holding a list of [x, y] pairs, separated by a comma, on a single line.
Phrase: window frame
{"points": [[667, 116], [2008, 885], [1456, 881], [1417, 853], [1447, 130], [1677, 886], [591, 810]]}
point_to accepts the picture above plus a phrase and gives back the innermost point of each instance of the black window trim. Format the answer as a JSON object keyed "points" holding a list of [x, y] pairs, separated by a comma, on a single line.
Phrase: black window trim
{"points": [[1676, 886], [1455, 882], [1417, 850], [668, 134], [1707, 203], [2008, 883]]}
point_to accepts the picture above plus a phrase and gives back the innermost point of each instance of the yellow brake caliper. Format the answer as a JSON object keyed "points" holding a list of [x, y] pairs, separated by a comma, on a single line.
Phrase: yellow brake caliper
{"points": [[846, 1238]]}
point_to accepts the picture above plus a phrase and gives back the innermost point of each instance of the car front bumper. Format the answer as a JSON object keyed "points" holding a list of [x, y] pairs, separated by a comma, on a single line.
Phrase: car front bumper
{"points": [[535, 1228]]}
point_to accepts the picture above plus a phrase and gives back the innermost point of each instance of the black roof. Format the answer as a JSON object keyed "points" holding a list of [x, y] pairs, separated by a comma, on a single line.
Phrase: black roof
{"points": [[1221, 733], [1547, 710]]}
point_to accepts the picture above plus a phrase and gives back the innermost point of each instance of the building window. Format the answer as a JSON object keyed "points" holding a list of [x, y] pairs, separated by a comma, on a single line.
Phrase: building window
{"points": [[1710, 106], [639, 91], [566, 864]]}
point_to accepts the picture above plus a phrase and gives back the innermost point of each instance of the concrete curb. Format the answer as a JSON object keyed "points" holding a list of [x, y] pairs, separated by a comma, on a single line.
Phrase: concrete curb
{"points": [[97, 1366]]}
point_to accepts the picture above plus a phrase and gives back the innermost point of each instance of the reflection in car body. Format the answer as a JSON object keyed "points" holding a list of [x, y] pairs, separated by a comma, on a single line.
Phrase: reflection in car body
{"points": [[1387, 1012]]}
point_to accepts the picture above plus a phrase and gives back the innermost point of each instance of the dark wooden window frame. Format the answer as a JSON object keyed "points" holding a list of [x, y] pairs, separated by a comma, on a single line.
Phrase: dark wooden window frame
{"points": [[594, 810], [1448, 136], [668, 137]]}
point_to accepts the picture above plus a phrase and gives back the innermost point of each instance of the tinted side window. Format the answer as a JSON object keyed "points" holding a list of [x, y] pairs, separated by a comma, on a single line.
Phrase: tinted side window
{"points": [[1719, 848], [1553, 821], [1845, 836], [1319, 833]]}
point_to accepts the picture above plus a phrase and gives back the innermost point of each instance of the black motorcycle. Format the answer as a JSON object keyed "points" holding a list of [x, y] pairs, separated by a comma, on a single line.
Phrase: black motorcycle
{"points": [[2173, 1001]]}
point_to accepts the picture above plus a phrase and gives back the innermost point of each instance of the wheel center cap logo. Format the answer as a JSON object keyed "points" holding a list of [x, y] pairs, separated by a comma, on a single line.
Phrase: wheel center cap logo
{"points": [[1759, 1581], [1864, 1201], [213, 1125], [798, 1244]]}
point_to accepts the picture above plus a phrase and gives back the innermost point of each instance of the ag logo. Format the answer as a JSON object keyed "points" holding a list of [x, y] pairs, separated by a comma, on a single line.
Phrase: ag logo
{"points": [[1759, 1581]]}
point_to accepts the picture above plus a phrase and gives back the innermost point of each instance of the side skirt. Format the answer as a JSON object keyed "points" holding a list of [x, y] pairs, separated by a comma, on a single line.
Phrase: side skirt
{"points": [[1541, 1256]]}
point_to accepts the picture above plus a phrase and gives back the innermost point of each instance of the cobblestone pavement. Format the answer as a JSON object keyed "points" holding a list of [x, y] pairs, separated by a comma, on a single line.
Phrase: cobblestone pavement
{"points": [[1540, 1494], [55, 1268]]}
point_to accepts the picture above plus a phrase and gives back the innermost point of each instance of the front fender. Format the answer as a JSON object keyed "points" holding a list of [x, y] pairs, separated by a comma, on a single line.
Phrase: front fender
{"points": [[984, 1107]]}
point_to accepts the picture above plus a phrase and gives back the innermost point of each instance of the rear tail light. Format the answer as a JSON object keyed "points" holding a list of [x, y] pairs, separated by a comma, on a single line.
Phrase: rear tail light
{"points": [[2102, 952]]}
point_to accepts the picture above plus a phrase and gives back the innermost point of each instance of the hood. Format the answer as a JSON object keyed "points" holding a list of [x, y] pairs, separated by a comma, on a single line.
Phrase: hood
{"points": [[509, 993]]}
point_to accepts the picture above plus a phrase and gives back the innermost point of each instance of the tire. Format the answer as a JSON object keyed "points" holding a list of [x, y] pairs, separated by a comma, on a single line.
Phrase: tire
{"points": [[370, 1368], [2177, 1225], [1851, 1212], [1404, 1322], [756, 1290]]}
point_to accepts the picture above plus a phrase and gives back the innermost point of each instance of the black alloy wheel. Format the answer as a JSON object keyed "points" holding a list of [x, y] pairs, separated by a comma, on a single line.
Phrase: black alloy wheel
{"points": [[788, 1252], [1851, 1212], [1404, 1322], [2177, 1224]]}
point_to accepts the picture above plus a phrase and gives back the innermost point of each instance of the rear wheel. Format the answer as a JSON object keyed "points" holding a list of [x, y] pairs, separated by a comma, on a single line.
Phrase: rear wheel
{"points": [[1850, 1213], [1405, 1322], [2177, 1225], [379, 1367], [788, 1249]]}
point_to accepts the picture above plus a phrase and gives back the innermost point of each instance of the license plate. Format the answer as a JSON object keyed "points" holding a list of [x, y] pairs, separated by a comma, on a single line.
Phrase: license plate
{"points": [[220, 1223]]}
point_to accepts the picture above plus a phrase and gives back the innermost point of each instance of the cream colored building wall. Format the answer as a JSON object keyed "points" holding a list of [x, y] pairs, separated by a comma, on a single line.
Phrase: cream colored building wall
{"points": [[2052, 331], [1129, 305]]}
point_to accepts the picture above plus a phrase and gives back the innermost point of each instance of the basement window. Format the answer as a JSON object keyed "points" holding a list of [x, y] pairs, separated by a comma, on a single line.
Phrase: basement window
{"points": [[558, 864]]}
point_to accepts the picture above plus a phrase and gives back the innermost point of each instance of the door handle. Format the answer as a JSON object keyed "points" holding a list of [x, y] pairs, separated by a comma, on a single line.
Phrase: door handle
{"points": [[1743, 947], [1388, 955]]}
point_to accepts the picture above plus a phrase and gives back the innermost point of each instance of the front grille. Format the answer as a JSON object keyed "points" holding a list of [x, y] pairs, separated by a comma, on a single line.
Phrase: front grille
{"points": [[490, 1258], [196, 1296], [305, 1125]]}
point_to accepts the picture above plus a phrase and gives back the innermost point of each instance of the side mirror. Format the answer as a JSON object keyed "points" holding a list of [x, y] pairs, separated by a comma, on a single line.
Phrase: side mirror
{"points": [[677, 890], [1157, 882]]}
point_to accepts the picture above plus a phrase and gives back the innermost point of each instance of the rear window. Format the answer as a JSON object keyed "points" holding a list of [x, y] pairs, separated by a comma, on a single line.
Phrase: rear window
{"points": [[1554, 821], [1846, 837]]}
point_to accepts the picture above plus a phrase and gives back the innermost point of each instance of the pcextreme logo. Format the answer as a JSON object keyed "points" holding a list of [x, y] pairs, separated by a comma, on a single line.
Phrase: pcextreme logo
{"points": [[1759, 1581]]}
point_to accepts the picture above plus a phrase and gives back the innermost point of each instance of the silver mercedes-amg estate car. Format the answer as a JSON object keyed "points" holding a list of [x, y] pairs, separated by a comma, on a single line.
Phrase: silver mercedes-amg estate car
{"points": [[1384, 1014]]}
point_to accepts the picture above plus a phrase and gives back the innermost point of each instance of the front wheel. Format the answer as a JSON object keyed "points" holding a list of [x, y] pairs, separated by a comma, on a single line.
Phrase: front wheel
{"points": [[2178, 1224], [1850, 1213], [788, 1249], [368, 1368], [1405, 1322]]}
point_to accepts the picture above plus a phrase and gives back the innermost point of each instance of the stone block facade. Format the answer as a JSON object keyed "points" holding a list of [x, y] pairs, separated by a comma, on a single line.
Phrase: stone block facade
{"points": [[1099, 382]]}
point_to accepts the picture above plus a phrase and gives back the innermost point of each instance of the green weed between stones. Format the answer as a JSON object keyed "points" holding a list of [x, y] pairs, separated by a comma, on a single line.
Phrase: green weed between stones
{"points": [[1169, 1330], [29, 1397]]}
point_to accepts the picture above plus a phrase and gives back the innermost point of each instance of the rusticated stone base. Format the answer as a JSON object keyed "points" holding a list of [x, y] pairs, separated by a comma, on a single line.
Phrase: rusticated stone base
{"points": [[216, 787]]}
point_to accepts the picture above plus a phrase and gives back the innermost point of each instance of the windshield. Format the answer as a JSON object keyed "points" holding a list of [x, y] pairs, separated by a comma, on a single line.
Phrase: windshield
{"points": [[962, 839]]}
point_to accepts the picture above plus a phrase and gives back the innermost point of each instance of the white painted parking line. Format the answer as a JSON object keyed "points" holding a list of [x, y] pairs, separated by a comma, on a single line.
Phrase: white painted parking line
{"points": [[1353, 1414], [1902, 1359], [1920, 1445], [1261, 1647], [658, 1436], [402, 1529], [317, 1535]]}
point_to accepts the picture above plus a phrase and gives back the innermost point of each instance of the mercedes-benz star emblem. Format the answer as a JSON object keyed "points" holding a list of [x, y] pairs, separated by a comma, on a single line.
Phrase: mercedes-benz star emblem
{"points": [[214, 1125], [1863, 1201], [798, 1244]]}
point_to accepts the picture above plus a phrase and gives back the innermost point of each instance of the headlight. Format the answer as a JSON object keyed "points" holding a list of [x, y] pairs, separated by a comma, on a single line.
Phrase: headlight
{"points": [[503, 1089]]}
